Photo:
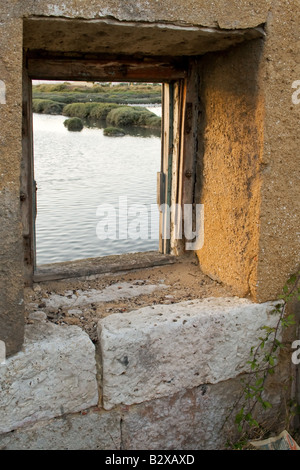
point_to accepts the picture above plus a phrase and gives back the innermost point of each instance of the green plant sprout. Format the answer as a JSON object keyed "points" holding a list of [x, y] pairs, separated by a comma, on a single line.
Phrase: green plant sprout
{"points": [[262, 363]]}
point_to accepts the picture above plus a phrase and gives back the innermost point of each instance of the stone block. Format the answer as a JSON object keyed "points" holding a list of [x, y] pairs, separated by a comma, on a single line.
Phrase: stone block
{"points": [[54, 374], [160, 350], [189, 420], [95, 430], [202, 418]]}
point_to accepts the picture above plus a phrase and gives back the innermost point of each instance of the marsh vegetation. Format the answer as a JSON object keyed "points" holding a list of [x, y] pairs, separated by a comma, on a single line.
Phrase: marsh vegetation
{"points": [[114, 105], [74, 124]]}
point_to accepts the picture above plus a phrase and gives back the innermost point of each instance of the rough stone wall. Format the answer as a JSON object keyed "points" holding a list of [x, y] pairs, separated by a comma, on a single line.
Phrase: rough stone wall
{"points": [[168, 377]]}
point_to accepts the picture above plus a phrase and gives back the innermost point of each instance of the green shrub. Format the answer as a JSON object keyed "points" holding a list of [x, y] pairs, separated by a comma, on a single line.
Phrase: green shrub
{"points": [[47, 106], [133, 116], [101, 110], [114, 114], [119, 95], [74, 124], [117, 116], [153, 121], [81, 110], [64, 97], [122, 116], [88, 110], [113, 131], [51, 87]]}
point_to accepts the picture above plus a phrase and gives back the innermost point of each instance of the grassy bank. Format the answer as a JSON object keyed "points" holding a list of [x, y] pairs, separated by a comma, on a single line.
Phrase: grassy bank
{"points": [[89, 110], [44, 106], [133, 116], [121, 94], [100, 102], [118, 116]]}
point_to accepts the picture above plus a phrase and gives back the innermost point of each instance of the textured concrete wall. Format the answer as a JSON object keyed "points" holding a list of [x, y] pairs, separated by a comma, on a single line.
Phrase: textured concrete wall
{"points": [[279, 241], [250, 184], [11, 258], [217, 13], [229, 165], [252, 170]]}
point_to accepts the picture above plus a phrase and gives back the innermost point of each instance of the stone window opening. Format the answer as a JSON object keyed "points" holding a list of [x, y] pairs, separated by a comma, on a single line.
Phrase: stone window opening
{"points": [[173, 111], [182, 70], [174, 138], [158, 61]]}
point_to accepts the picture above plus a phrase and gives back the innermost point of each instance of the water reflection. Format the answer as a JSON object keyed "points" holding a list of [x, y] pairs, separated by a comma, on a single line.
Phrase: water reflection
{"points": [[78, 171], [132, 131]]}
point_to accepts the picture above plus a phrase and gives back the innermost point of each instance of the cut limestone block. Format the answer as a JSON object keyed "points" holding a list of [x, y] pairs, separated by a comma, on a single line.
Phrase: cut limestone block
{"points": [[157, 351], [202, 418], [189, 420], [53, 375], [95, 430]]}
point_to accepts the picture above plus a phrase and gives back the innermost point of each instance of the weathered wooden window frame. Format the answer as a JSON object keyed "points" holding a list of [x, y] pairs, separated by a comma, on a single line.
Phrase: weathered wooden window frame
{"points": [[179, 130]]}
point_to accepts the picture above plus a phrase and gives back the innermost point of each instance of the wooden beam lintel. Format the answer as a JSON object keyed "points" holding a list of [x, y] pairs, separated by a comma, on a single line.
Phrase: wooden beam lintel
{"points": [[119, 70]]}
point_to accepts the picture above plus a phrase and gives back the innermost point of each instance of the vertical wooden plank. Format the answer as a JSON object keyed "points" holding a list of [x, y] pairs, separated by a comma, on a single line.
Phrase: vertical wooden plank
{"points": [[179, 242], [166, 168], [177, 165], [169, 156], [164, 142], [27, 194], [190, 146], [180, 114], [175, 228]]}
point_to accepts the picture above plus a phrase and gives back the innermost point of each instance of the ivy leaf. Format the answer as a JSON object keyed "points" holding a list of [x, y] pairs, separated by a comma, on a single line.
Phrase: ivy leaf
{"points": [[240, 416], [271, 360], [266, 405], [259, 381]]}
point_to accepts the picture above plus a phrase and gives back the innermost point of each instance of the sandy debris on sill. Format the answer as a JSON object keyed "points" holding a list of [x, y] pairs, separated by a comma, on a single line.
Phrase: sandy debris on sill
{"points": [[83, 302]]}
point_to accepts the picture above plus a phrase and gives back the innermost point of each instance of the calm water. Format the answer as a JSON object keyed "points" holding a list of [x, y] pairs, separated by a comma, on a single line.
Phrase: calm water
{"points": [[76, 172]]}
